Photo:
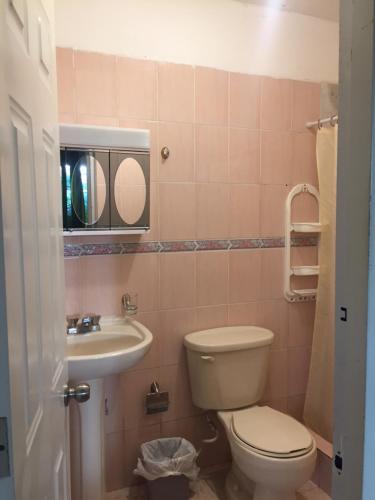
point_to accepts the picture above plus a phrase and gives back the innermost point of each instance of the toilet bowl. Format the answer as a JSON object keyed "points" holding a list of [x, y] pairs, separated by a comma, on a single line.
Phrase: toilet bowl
{"points": [[273, 454], [274, 451]]}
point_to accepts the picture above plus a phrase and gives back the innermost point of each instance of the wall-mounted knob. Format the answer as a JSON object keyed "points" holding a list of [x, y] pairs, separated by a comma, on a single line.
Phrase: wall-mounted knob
{"points": [[165, 153]]}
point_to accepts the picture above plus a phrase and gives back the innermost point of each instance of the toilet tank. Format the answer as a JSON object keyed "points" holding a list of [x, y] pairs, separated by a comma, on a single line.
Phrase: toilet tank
{"points": [[228, 366]]}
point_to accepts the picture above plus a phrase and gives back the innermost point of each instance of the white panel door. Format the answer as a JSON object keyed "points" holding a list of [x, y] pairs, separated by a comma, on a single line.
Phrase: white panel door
{"points": [[354, 429], [32, 282]]}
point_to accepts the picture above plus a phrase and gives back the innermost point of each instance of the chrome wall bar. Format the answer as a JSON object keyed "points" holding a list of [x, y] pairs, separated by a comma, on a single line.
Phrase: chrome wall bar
{"points": [[333, 120]]}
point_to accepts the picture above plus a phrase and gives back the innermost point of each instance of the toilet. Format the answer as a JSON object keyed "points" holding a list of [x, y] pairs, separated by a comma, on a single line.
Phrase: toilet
{"points": [[273, 454]]}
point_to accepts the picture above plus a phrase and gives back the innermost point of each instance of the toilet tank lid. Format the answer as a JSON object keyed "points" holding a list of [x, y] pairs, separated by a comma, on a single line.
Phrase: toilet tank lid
{"points": [[229, 338]]}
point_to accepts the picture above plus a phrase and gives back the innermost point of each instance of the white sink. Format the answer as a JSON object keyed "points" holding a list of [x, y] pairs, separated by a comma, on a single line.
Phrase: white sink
{"points": [[119, 345]]}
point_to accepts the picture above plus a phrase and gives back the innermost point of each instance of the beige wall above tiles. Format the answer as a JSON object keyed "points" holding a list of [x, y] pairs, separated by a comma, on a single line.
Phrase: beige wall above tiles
{"points": [[237, 147], [233, 35]]}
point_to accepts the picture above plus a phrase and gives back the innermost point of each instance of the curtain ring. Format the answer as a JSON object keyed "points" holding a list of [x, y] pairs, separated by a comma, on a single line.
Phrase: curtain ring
{"points": [[319, 124], [332, 120]]}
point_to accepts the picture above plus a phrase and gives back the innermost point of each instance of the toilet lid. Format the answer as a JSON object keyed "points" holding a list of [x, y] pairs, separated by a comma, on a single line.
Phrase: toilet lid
{"points": [[271, 432]]}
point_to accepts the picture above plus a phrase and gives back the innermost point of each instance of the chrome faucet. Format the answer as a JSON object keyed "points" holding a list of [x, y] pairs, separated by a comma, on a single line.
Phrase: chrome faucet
{"points": [[130, 308], [89, 323]]}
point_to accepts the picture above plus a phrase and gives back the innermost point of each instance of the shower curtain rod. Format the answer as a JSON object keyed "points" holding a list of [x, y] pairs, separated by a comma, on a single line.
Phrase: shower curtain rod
{"points": [[332, 120]]}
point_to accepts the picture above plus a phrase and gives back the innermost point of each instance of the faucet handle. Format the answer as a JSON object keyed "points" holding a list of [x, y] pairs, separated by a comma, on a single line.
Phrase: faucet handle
{"points": [[72, 324], [95, 319], [72, 320]]}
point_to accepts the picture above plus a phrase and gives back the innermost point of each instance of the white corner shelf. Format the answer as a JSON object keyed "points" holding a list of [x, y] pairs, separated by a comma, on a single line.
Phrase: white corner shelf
{"points": [[306, 295], [306, 227], [291, 294], [304, 271], [306, 291]]}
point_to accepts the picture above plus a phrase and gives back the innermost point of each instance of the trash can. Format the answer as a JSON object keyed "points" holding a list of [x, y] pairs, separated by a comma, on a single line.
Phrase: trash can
{"points": [[168, 465]]}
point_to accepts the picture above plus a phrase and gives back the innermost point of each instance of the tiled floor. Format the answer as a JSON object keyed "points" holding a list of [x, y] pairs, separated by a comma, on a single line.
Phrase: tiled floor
{"points": [[212, 489]]}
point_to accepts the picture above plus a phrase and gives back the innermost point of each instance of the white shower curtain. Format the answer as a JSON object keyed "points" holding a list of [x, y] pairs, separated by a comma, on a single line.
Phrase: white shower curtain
{"points": [[318, 413]]}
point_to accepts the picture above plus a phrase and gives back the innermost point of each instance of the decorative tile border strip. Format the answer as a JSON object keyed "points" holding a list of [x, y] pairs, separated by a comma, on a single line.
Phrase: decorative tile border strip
{"points": [[257, 243], [87, 249], [145, 247], [178, 246], [99, 249], [213, 244]]}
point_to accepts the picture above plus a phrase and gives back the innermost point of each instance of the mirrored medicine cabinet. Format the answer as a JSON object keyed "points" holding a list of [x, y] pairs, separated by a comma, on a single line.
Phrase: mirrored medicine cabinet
{"points": [[105, 178]]}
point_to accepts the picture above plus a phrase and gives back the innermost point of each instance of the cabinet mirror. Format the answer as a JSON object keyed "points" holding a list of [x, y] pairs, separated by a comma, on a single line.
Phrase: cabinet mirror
{"points": [[130, 190], [105, 179], [88, 189]]}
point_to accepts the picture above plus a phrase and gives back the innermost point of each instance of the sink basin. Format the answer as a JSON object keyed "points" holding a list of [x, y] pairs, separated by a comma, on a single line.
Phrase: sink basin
{"points": [[118, 346]]}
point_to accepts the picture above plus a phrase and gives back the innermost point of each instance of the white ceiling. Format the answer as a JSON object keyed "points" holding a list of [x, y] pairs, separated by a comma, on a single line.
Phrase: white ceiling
{"points": [[325, 9]]}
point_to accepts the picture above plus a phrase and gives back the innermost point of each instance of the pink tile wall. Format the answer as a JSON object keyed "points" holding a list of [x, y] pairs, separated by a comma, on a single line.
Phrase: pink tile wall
{"points": [[238, 144], [323, 472]]}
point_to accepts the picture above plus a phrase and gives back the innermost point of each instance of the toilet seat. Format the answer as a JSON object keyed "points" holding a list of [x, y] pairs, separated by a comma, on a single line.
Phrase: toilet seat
{"points": [[271, 433]]}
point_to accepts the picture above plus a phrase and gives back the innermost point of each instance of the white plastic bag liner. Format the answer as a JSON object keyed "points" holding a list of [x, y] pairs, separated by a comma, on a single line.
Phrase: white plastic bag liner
{"points": [[167, 457]]}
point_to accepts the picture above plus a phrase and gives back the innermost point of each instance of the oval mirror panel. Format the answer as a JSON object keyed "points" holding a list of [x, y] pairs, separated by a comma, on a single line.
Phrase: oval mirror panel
{"points": [[88, 188], [130, 190]]}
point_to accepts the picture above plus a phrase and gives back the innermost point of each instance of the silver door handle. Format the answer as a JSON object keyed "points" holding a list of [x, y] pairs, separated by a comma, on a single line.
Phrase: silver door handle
{"points": [[81, 393]]}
